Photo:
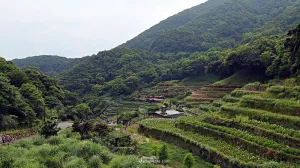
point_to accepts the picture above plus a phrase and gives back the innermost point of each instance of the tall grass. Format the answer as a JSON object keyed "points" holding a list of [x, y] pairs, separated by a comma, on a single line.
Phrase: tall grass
{"points": [[59, 152]]}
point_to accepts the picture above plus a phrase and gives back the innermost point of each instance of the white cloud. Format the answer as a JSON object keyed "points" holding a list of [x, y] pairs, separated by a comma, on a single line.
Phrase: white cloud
{"points": [[75, 28]]}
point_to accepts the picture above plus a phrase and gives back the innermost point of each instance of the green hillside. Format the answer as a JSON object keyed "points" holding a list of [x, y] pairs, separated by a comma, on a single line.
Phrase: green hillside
{"points": [[258, 130], [49, 64], [145, 39], [121, 71], [26, 95], [229, 69], [218, 24]]}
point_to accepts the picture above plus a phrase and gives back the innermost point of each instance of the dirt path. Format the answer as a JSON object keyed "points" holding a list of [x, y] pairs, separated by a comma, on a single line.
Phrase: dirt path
{"points": [[64, 125]]}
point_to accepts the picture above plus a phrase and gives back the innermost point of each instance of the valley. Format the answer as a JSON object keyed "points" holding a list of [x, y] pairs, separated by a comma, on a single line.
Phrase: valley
{"points": [[214, 86]]}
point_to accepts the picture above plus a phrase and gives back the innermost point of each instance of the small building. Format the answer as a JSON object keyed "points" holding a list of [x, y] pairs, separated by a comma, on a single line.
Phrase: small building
{"points": [[164, 113], [155, 100]]}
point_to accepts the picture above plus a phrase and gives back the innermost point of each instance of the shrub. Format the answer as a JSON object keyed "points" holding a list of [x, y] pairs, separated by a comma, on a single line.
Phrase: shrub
{"points": [[279, 119], [163, 154], [24, 163], [38, 141], [95, 162], [284, 92], [49, 129], [257, 86], [230, 99], [189, 160], [124, 162], [102, 129], [55, 140], [288, 107], [75, 162], [53, 162]]}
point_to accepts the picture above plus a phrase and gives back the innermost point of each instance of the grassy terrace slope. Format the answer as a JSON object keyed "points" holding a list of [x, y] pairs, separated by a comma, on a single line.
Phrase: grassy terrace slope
{"points": [[257, 125], [215, 151]]}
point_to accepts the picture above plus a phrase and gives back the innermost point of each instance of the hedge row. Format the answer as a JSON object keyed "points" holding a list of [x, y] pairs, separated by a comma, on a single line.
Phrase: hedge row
{"points": [[284, 92], [192, 142], [208, 107], [273, 118], [256, 86], [276, 128], [240, 93], [287, 107], [254, 144], [255, 130], [218, 103], [230, 99]]}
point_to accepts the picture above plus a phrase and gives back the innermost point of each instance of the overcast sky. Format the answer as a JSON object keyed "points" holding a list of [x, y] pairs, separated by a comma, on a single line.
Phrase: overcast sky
{"points": [[76, 28]]}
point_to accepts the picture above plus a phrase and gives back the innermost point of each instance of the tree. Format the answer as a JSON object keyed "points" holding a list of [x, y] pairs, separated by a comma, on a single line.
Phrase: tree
{"points": [[83, 110], [102, 129], [17, 77], [84, 129], [33, 97], [49, 129], [12, 103], [163, 154], [76, 126], [189, 160]]}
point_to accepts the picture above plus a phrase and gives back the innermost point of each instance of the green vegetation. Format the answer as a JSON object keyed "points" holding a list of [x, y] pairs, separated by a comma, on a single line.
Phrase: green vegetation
{"points": [[218, 24], [240, 78], [279, 119], [246, 140], [234, 41], [199, 80], [221, 152], [59, 151], [284, 92], [288, 107], [256, 121], [189, 160], [48, 64], [123, 71], [176, 154], [276, 133], [26, 95]]}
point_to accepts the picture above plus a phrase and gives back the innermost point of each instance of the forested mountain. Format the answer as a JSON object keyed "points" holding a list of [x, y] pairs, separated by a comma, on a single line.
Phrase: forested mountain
{"points": [[49, 64], [122, 71], [218, 24], [26, 95], [145, 39], [220, 37]]}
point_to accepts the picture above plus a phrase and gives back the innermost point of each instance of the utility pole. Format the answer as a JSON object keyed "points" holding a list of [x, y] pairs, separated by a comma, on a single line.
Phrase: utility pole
{"points": [[44, 113], [170, 103]]}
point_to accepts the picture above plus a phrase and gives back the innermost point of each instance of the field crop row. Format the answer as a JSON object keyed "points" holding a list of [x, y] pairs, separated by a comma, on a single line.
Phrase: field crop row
{"points": [[215, 151], [273, 118]]}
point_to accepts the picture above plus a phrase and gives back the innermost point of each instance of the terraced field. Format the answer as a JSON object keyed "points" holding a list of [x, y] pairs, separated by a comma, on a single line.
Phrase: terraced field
{"points": [[255, 126], [126, 106], [210, 93]]}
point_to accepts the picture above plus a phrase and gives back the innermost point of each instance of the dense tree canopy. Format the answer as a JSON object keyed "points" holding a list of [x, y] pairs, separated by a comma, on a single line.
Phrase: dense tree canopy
{"points": [[218, 24], [26, 95], [49, 64], [121, 71]]}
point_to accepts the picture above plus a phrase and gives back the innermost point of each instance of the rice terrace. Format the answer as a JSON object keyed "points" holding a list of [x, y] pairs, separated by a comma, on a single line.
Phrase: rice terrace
{"points": [[216, 85]]}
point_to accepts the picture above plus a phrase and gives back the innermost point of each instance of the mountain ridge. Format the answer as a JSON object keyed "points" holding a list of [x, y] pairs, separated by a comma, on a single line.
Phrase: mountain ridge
{"points": [[222, 26], [51, 65]]}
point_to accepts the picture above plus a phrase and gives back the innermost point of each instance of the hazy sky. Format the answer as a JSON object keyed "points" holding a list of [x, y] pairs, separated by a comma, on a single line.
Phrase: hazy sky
{"points": [[75, 28]]}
